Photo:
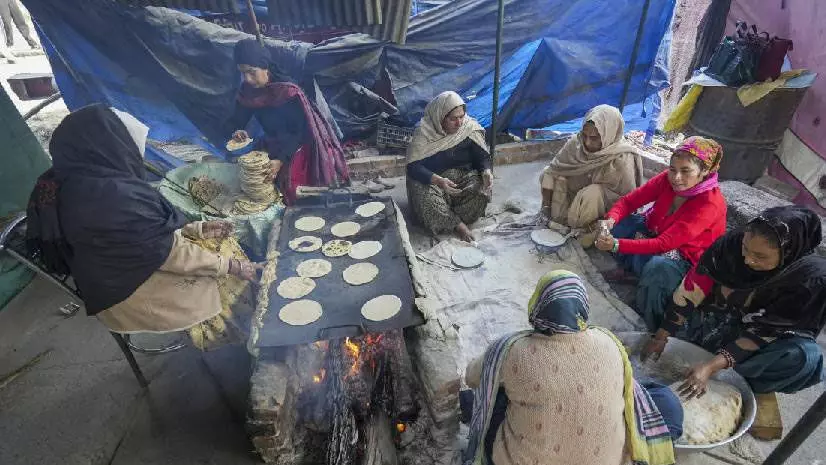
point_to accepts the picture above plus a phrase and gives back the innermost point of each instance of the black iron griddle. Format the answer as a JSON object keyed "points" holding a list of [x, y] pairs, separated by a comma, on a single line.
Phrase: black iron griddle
{"points": [[341, 302]]}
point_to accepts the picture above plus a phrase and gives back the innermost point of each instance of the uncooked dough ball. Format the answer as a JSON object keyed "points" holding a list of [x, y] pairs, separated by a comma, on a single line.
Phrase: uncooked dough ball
{"points": [[713, 417]]}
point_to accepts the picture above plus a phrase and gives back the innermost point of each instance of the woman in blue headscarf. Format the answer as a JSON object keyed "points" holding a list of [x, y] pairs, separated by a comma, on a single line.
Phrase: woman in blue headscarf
{"points": [[564, 393]]}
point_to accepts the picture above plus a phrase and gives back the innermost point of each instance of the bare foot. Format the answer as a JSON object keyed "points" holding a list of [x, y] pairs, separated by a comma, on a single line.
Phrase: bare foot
{"points": [[464, 233]]}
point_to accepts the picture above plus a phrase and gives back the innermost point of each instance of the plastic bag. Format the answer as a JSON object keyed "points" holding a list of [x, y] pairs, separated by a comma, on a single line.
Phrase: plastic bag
{"points": [[733, 63]]}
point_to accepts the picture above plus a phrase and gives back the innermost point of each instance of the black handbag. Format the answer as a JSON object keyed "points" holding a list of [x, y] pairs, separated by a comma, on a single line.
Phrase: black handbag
{"points": [[735, 60]]}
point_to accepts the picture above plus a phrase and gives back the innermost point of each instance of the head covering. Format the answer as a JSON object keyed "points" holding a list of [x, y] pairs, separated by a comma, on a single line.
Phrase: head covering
{"points": [[559, 305], [115, 230], [250, 52], [707, 150], [575, 160], [430, 138]]}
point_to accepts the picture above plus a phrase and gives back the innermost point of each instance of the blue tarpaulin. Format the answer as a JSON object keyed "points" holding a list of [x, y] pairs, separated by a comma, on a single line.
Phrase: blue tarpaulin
{"points": [[175, 72]]}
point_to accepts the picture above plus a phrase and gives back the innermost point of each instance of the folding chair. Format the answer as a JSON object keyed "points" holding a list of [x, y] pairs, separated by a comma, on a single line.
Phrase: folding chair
{"points": [[12, 242]]}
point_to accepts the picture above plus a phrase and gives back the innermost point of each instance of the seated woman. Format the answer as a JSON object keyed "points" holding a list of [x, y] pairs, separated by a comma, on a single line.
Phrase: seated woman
{"points": [[303, 147], [592, 171], [757, 299], [563, 393], [94, 216], [448, 168], [660, 245]]}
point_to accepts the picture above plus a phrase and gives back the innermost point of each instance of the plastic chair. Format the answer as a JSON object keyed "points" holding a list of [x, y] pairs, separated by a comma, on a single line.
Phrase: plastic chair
{"points": [[12, 242]]}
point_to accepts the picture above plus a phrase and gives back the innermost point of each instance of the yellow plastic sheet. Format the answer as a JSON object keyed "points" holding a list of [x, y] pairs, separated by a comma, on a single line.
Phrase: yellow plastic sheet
{"points": [[751, 93]]}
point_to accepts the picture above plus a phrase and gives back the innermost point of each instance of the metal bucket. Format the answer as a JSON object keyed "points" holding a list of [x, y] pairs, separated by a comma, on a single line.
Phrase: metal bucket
{"points": [[749, 135], [671, 366]]}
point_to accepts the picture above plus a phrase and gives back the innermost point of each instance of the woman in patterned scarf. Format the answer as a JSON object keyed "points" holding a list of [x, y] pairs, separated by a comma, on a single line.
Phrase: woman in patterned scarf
{"points": [[564, 393], [660, 245]]}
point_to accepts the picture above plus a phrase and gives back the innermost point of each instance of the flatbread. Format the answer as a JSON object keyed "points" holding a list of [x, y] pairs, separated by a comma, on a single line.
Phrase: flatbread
{"points": [[309, 223], [234, 145], [336, 248], [305, 244], [345, 229], [300, 312], [713, 417], [295, 287], [364, 250], [315, 268], [370, 209], [381, 308], [360, 273], [468, 257]]}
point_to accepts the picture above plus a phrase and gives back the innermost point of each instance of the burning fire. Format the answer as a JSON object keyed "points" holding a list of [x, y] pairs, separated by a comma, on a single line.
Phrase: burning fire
{"points": [[401, 427], [355, 351], [319, 377]]}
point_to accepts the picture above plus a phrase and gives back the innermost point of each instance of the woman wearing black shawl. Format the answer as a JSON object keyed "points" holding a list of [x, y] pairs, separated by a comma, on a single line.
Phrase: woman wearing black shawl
{"points": [[304, 149], [758, 300], [94, 216]]}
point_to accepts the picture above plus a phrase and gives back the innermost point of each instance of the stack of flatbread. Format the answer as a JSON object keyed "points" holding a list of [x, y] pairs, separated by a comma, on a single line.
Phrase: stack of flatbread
{"points": [[259, 192]]}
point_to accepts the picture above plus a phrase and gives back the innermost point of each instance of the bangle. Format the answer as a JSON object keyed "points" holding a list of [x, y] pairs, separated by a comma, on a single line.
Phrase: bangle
{"points": [[615, 248]]}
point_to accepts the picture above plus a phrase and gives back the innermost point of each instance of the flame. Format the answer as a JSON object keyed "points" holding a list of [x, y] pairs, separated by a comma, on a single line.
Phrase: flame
{"points": [[355, 351], [321, 345], [319, 377], [401, 427]]}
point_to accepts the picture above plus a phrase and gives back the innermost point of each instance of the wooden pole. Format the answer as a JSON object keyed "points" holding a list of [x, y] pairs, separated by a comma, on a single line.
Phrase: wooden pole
{"points": [[254, 19]]}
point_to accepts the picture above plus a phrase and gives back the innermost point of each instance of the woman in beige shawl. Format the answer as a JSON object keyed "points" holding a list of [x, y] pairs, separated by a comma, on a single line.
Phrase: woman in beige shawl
{"points": [[448, 168], [593, 170]]}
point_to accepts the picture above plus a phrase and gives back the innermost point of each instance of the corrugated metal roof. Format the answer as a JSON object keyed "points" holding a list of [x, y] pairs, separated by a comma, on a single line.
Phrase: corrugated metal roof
{"points": [[382, 19], [215, 6]]}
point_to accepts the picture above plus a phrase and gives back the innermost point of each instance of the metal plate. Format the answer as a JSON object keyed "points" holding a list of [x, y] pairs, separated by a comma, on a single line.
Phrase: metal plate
{"points": [[341, 302]]}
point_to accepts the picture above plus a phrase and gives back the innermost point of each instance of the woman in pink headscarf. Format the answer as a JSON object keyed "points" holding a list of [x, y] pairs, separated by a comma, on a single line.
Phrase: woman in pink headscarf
{"points": [[660, 245]]}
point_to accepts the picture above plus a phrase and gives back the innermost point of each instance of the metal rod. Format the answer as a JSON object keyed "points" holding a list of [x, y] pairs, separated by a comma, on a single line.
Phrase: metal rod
{"points": [[49, 100], [496, 71], [130, 357], [629, 73], [799, 433], [254, 20]]}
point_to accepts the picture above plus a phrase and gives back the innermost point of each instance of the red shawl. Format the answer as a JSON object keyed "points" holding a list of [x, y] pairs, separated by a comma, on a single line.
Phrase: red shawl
{"points": [[325, 158]]}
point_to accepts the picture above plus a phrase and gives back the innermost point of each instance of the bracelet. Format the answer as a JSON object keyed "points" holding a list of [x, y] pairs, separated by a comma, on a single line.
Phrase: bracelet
{"points": [[615, 248]]}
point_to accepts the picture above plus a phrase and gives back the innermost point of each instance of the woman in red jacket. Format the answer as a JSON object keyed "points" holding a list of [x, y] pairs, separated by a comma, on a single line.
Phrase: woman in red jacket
{"points": [[668, 238]]}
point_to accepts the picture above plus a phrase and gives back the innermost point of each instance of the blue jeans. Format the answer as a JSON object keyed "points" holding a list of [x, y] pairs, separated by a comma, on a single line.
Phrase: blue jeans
{"points": [[669, 406], [659, 276]]}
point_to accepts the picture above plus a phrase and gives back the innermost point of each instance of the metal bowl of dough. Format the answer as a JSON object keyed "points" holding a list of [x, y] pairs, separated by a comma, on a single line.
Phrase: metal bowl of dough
{"points": [[671, 367]]}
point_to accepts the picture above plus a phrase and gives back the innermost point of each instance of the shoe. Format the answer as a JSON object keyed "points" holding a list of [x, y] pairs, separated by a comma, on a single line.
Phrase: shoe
{"points": [[387, 185], [373, 187]]}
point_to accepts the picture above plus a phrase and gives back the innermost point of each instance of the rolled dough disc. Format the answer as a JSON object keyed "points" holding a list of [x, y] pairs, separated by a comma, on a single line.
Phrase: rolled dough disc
{"points": [[309, 223], [360, 273], [295, 287], [345, 229], [381, 308], [364, 250], [336, 248], [547, 237], [300, 312], [369, 209], [713, 417], [305, 244], [468, 257], [315, 268]]}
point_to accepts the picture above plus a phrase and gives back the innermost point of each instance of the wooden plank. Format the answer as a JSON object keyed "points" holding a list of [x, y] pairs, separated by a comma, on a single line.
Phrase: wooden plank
{"points": [[768, 424]]}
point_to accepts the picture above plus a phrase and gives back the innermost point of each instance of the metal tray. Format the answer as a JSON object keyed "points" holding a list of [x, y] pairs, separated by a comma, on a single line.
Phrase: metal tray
{"points": [[341, 302]]}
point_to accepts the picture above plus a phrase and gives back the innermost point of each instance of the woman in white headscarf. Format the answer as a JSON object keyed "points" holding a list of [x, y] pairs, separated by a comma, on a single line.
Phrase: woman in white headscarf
{"points": [[448, 168], [139, 264], [593, 170]]}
